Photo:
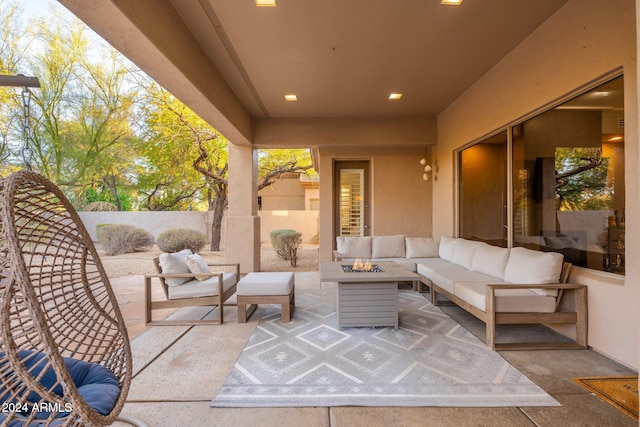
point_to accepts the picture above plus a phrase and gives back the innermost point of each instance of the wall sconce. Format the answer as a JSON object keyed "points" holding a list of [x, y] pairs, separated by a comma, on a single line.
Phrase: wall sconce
{"points": [[427, 169]]}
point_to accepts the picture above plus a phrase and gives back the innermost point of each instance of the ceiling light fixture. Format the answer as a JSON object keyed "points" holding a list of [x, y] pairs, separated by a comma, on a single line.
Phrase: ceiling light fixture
{"points": [[266, 3], [615, 138], [291, 97], [451, 2], [395, 96]]}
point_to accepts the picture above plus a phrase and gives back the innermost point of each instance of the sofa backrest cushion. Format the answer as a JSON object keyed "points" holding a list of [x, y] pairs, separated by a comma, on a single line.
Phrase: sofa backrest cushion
{"points": [[463, 251], [354, 247], [421, 247], [388, 246], [445, 250], [529, 267], [490, 260]]}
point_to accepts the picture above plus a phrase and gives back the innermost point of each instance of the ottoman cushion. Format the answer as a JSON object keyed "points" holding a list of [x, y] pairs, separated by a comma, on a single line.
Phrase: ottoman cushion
{"points": [[265, 284]]}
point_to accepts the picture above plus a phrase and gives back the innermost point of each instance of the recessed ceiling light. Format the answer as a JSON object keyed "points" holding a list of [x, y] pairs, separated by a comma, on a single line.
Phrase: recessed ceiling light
{"points": [[291, 97], [451, 2], [395, 96], [266, 3]]}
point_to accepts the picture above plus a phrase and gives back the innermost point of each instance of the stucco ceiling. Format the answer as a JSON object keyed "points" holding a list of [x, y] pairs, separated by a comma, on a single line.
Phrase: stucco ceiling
{"points": [[342, 58]]}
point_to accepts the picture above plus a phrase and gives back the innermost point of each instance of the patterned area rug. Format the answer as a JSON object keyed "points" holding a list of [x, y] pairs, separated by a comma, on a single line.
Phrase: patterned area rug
{"points": [[429, 361]]}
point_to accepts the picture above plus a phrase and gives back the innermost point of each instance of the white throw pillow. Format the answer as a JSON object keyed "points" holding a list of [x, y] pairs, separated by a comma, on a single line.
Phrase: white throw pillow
{"points": [[354, 247], [463, 252], [421, 247], [529, 267], [388, 247], [490, 260], [445, 249], [197, 265], [175, 263]]}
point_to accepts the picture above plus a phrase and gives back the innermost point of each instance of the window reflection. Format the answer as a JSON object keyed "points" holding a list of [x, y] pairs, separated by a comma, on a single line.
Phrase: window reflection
{"points": [[567, 180]]}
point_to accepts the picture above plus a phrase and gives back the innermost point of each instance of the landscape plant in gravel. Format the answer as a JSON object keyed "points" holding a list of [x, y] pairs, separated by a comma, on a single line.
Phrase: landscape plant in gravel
{"points": [[117, 239], [286, 243], [177, 239]]}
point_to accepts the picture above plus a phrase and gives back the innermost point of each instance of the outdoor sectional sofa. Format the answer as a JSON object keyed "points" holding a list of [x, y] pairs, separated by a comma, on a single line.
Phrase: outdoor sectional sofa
{"points": [[497, 285]]}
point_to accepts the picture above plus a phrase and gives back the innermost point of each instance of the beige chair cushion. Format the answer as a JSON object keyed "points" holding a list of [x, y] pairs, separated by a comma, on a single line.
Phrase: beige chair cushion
{"points": [[388, 246], [463, 252], [266, 284], [175, 263], [507, 300], [421, 247], [529, 267], [445, 249], [198, 265], [206, 288], [490, 260], [354, 247]]}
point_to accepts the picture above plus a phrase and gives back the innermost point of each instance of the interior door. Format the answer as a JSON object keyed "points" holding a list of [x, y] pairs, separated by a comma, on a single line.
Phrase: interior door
{"points": [[351, 203]]}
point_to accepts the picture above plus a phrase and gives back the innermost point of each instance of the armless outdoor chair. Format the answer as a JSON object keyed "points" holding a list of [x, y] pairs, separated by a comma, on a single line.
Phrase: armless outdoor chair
{"points": [[65, 357]]}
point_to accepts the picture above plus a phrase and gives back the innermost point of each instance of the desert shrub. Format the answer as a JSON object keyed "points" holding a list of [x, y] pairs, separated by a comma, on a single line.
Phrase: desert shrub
{"points": [[177, 239], [119, 239], [286, 243]]}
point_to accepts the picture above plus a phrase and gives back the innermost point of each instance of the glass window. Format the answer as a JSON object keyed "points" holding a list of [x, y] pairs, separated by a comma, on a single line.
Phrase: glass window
{"points": [[568, 180]]}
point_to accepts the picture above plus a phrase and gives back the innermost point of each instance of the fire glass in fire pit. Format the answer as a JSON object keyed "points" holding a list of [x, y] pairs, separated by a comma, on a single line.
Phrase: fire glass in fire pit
{"points": [[362, 267]]}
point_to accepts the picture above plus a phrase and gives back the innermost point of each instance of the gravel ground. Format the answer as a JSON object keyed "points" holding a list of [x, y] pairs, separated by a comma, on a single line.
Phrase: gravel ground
{"points": [[140, 262]]}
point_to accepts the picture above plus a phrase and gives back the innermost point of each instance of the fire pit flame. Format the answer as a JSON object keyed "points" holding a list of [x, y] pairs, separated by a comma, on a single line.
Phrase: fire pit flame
{"points": [[362, 267], [358, 265]]}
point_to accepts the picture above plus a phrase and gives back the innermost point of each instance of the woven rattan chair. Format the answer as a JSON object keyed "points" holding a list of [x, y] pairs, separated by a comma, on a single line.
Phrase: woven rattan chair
{"points": [[58, 313]]}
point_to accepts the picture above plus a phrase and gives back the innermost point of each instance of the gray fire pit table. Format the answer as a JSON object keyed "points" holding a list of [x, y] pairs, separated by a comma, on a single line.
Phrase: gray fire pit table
{"points": [[367, 298]]}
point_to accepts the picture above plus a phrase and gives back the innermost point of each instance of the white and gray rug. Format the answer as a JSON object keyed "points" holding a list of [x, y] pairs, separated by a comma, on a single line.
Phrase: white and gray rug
{"points": [[429, 361]]}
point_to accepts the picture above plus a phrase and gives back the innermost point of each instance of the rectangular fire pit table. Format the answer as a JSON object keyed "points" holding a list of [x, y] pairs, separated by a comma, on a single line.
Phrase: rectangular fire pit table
{"points": [[366, 298]]}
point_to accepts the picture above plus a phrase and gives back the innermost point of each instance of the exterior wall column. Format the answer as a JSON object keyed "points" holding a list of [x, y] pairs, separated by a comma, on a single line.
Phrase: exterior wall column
{"points": [[242, 241]]}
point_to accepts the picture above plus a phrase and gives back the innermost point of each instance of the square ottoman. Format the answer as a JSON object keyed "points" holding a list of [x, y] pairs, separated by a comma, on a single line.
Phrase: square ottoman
{"points": [[265, 288]]}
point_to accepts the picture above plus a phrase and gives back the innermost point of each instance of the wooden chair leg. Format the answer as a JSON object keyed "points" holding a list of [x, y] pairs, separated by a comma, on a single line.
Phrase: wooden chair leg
{"points": [[242, 313], [490, 324]]}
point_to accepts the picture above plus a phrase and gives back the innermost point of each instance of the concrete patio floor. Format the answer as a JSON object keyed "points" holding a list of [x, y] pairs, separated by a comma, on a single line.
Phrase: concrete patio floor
{"points": [[179, 369]]}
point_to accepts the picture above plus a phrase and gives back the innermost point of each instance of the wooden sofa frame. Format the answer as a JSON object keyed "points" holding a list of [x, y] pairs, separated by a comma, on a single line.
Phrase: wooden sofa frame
{"points": [[216, 300], [491, 318]]}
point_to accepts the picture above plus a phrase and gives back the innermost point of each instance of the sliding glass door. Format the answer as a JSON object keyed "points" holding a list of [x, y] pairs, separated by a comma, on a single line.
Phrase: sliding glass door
{"points": [[483, 191]]}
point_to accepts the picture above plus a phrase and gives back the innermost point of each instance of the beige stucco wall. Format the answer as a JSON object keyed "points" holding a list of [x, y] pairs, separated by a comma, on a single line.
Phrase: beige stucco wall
{"points": [[284, 194], [401, 200], [584, 41]]}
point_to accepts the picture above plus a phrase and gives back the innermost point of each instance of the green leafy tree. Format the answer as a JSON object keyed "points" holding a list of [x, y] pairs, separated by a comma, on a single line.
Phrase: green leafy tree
{"points": [[15, 41]]}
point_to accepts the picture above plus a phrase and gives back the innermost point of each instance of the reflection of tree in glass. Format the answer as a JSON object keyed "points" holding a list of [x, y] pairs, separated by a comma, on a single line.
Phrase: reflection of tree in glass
{"points": [[581, 179]]}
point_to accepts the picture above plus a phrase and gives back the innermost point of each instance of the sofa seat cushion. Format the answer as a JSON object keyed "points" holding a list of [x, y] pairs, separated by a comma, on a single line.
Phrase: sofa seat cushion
{"points": [[354, 247], [266, 283], [507, 300], [388, 246], [205, 288], [447, 279], [404, 262], [427, 266]]}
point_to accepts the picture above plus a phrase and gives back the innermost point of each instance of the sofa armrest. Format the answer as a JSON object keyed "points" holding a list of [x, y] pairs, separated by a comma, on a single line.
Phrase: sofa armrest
{"points": [[337, 256], [579, 317]]}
